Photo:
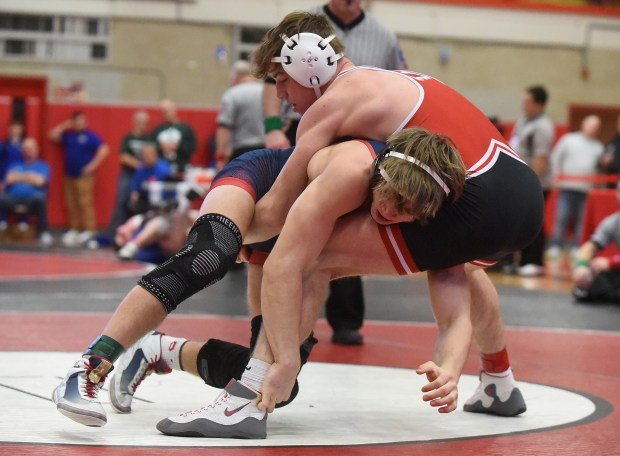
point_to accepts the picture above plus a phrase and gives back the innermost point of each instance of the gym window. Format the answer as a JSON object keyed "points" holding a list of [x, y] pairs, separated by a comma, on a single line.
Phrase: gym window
{"points": [[48, 37]]}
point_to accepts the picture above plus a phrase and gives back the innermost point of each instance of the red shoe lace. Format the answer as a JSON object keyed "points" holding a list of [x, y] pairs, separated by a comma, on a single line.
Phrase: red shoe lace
{"points": [[150, 368], [91, 388], [219, 401]]}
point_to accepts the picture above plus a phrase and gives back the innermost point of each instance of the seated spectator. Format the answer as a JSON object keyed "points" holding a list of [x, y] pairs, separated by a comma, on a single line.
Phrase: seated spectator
{"points": [[26, 184], [597, 278], [11, 150], [151, 169], [153, 237]]}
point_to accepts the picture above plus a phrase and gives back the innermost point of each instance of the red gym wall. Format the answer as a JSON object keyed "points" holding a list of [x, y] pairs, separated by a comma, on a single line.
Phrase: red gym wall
{"points": [[111, 122]]}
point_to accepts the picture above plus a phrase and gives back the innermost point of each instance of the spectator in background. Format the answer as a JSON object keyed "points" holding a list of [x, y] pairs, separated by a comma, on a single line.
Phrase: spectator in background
{"points": [[610, 161], [367, 42], [152, 169], [153, 238], [597, 278], [26, 184], [84, 151], [532, 138], [240, 119], [576, 154], [130, 159], [11, 149], [175, 139]]}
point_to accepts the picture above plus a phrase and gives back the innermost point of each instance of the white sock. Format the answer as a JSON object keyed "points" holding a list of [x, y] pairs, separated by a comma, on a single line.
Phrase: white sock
{"points": [[171, 351], [254, 374], [506, 373], [504, 383]]}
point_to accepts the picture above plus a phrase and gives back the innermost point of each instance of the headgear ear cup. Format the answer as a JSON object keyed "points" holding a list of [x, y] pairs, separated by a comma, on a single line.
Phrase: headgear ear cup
{"points": [[308, 59]]}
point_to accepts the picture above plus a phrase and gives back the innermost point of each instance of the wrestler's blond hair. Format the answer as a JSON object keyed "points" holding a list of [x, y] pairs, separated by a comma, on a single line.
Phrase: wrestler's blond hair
{"points": [[293, 23], [409, 182]]}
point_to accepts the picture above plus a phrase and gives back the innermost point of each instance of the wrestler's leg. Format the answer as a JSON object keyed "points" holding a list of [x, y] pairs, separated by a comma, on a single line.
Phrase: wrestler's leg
{"points": [[488, 328], [139, 312], [215, 361], [497, 392]]}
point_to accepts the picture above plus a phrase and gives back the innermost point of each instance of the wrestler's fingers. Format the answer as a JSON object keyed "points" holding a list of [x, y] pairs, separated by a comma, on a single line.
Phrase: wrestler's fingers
{"points": [[266, 403]]}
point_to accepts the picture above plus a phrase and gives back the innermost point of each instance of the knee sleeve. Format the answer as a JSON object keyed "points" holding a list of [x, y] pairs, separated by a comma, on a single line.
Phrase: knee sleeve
{"points": [[210, 250]]}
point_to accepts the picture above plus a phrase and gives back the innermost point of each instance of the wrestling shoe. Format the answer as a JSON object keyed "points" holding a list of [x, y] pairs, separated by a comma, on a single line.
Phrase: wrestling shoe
{"points": [[76, 396], [496, 395], [141, 359], [233, 415]]}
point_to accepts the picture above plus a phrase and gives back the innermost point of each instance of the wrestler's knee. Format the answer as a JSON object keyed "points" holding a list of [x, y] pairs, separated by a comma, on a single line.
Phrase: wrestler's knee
{"points": [[210, 250]]}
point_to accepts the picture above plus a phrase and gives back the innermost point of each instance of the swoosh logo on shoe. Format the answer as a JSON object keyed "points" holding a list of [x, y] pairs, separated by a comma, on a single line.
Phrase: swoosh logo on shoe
{"points": [[232, 412]]}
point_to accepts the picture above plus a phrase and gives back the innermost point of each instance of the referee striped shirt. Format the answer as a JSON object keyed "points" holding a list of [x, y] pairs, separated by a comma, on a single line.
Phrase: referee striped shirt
{"points": [[367, 41]]}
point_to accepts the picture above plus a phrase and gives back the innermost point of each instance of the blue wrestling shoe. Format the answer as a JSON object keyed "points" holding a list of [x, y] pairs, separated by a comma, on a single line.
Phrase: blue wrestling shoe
{"points": [[233, 415], [496, 395], [76, 396], [141, 360]]}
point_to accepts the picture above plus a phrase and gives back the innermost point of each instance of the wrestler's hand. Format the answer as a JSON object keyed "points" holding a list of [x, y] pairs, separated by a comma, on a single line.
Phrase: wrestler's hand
{"points": [[600, 264], [276, 139], [441, 391], [582, 276], [278, 385], [244, 254]]}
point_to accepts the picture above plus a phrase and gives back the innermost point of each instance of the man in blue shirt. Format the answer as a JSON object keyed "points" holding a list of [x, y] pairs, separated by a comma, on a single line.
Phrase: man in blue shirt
{"points": [[27, 185], [152, 169], [84, 151], [11, 149]]}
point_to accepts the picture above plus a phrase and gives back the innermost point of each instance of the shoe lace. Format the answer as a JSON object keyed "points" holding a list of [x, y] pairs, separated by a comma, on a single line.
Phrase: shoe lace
{"points": [[146, 370], [219, 401], [91, 388]]}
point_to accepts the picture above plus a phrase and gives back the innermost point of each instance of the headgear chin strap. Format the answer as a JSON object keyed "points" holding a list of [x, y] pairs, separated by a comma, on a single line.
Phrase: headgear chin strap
{"points": [[309, 59]]}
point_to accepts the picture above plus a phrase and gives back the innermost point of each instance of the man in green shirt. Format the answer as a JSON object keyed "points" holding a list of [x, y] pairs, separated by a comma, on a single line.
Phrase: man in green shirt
{"points": [[175, 139]]}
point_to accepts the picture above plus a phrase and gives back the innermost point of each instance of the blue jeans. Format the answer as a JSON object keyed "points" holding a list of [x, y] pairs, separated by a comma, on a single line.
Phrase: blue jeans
{"points": [[569, 212]]}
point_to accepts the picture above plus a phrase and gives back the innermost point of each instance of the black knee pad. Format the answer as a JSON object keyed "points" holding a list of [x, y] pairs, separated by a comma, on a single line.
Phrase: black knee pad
{"points": [[210, 250], [255, 325], [219, 361]]}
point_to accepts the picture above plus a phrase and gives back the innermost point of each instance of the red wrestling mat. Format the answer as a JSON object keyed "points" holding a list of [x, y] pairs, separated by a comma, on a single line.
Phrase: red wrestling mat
{"points": [[20, 265], [572, 360]]}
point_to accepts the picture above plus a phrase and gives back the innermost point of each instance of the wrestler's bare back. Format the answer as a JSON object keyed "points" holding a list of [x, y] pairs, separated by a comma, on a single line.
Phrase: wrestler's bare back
{"points": [[365, 103]]}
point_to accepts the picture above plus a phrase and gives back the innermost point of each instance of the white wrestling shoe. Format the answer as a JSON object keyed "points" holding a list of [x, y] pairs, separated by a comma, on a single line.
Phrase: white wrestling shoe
{"points": [[141, 359], [233, 415], [76, 396], [496, 395]]}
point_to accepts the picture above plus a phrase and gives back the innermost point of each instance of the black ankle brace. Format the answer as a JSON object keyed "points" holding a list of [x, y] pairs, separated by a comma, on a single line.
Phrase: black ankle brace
{"points": [[105, 347]]}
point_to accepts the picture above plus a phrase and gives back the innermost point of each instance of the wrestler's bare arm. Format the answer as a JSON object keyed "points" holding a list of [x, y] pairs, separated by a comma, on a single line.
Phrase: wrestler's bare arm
{"points": [[346, 110], [340, 188], [317, 129], [450, 298]]}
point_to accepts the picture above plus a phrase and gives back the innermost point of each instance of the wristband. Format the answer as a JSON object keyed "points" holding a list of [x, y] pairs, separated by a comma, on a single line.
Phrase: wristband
{"points": [[582, 262], [272, 123]]}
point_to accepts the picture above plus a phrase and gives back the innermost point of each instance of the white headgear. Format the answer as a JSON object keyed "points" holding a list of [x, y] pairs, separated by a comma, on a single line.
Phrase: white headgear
{"points": [[308, 59]]}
